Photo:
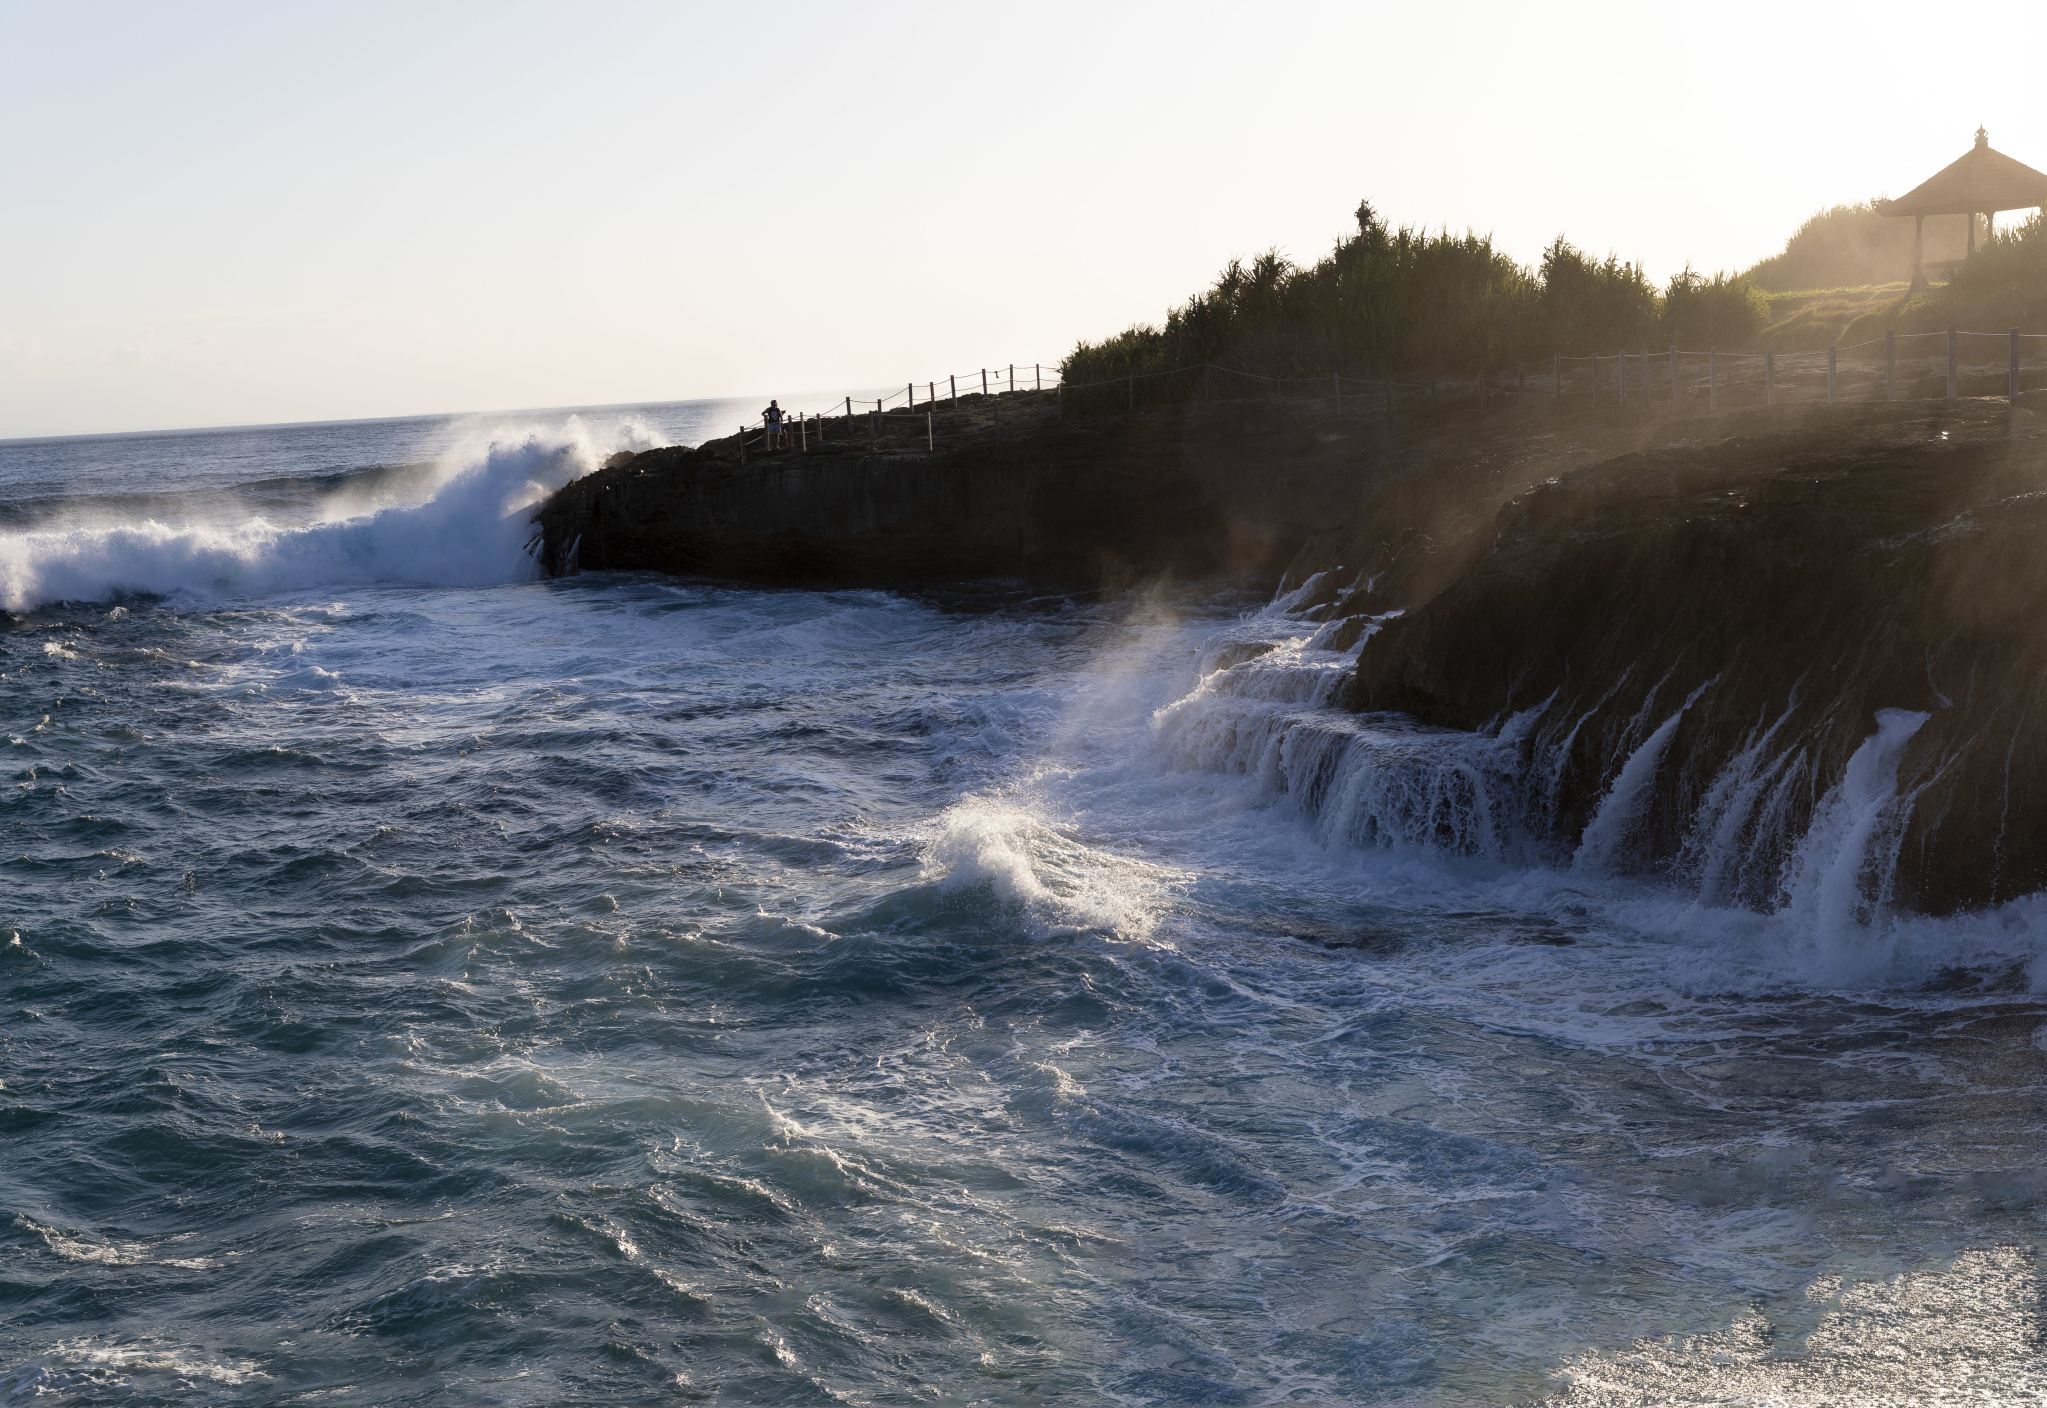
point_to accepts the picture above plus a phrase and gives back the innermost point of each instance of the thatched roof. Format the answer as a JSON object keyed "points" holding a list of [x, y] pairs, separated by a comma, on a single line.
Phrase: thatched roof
{"points": [[1983, 181]]}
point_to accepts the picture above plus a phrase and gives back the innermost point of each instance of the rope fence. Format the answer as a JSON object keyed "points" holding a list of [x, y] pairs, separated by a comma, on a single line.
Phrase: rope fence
{"points": [[1821, 374], [990, 381], [1672, 377]]}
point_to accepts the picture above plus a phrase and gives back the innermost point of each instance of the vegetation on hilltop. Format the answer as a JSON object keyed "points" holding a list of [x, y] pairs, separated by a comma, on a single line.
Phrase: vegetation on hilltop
{"points": [[1404, 302]]}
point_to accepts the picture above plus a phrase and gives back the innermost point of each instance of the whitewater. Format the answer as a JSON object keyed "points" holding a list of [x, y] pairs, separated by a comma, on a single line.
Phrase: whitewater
{"points": [[426, 982]]}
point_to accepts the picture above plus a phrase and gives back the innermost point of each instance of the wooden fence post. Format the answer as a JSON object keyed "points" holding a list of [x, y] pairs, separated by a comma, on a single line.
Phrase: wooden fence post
{"points": [[1770, 378], [849, 415], [1890, 366], [984, 381], [1712, 378], [1677, 391], [930, 437], [1953, 372], [1012, 377], [930, 393], [1038, 370], [910, 394], [1830, 375], [742, 444], [802, 434], [954, 383]]}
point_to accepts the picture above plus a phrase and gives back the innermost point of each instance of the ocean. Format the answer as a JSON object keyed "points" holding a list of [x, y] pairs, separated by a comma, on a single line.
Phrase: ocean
{"points": [[428, 983]]}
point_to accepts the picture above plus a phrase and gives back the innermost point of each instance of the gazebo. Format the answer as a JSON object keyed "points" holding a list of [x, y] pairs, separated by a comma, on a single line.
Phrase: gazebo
{"points": [[1983, 182]]}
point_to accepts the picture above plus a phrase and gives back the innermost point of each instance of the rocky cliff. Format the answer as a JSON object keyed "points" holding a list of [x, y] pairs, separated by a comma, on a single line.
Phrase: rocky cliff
{"points": [[1185, 490], [1744, 612]]}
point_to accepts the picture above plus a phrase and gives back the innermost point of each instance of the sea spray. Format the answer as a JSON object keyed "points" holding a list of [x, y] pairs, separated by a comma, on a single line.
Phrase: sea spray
{"points": [[1264, 707], [1001, 847], [470, 531], [1615, 825], [1837, 882], [1715, 847]]}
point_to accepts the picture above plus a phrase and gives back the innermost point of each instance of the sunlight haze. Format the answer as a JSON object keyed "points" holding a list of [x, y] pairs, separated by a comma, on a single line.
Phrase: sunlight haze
{"points": [[238, 214]]}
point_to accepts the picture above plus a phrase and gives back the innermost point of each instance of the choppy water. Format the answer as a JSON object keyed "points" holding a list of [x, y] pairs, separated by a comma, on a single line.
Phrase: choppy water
{"points": [[426, 983]]}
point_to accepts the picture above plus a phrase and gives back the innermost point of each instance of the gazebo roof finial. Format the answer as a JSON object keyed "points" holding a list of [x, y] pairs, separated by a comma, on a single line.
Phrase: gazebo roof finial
{"points": [[1982, 137]]}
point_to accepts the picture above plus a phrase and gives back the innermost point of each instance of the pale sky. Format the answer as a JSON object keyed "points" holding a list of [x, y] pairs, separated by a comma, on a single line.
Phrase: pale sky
{"points": [[242, 213]]}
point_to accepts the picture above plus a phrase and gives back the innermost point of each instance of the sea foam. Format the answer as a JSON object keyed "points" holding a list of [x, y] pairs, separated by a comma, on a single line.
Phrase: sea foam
{"points": [[470, 530]]}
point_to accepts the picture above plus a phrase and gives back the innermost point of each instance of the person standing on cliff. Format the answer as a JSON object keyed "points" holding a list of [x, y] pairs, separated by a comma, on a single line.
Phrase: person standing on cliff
{"points": [[772, 419]]}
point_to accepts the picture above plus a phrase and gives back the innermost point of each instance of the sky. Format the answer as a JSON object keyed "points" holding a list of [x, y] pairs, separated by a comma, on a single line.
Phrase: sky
{"points": [[249, 213]]}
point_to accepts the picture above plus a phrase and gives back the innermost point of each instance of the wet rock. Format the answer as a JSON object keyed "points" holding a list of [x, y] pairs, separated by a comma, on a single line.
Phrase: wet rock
{"points": [[1790, 583]]}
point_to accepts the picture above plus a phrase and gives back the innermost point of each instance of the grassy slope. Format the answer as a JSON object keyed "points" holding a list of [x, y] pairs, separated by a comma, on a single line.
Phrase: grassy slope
{"points": [[1813, 318]]}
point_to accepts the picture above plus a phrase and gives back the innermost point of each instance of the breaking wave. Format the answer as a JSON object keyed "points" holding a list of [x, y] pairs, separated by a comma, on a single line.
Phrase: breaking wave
{"points": [[471, 529]]}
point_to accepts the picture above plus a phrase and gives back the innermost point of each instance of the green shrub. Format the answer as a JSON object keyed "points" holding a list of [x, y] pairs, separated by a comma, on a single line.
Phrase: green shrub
{"points": [[1385, 302], [2005, 285], [1591, 306], [1727, 310]]}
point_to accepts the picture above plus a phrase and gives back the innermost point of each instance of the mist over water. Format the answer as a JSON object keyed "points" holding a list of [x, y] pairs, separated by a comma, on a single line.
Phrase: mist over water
{"points": [[430, 983]]}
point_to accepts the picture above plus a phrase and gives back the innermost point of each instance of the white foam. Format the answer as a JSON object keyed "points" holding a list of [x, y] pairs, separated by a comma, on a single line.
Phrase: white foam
{"points": [[1838, 881], [88, 1368], [1014, 844], [471, 530], [1965, 1334]]}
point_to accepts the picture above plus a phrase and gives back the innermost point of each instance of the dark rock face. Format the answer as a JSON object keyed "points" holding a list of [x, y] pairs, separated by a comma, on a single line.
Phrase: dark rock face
{"points": [[1184, 491], [1790, 582]]}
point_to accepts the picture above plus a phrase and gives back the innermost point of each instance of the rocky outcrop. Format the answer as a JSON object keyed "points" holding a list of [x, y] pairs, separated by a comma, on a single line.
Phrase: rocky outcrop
{"points": [[1186, 490], [1764, 592]]}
